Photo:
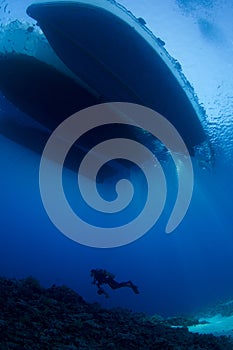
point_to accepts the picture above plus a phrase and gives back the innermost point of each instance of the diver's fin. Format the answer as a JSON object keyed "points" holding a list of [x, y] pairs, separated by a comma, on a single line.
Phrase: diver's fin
{"points": [[135, 289]]}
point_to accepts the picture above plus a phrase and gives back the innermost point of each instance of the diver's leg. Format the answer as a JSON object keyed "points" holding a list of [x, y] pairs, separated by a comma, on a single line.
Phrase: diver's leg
{"points": [[116, 285], [132, 286]]}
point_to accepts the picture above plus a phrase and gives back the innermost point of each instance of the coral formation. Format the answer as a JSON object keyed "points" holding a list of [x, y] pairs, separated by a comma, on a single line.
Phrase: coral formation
{"points": [[55, 318]]}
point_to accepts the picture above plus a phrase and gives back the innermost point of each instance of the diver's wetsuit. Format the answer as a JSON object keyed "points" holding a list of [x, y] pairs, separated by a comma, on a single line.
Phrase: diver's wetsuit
{"points": [[101, 276]]}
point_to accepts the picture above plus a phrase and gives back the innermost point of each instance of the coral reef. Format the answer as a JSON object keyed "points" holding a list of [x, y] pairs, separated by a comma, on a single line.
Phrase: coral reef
{"points": [[56, 318], [225, 308]]}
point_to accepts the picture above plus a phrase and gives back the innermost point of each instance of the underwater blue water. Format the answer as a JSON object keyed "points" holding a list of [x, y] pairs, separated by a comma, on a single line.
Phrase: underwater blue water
{"points": [[176, 273]]}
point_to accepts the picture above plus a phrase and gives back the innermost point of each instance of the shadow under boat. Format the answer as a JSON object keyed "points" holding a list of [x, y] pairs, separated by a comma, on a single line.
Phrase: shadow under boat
{"points": [[49, 97]]}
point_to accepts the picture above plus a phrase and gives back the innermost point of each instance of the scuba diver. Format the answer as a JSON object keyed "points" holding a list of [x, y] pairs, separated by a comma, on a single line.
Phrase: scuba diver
{"points": [[101, 276]]}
